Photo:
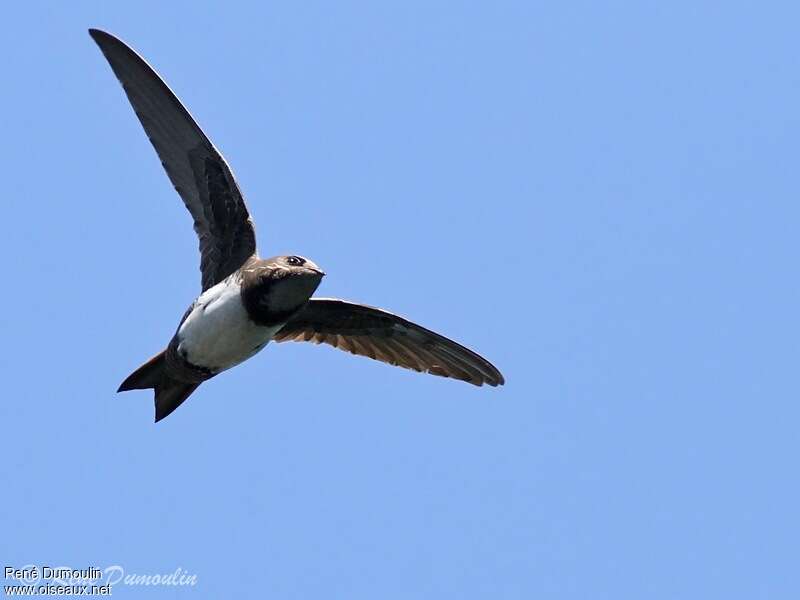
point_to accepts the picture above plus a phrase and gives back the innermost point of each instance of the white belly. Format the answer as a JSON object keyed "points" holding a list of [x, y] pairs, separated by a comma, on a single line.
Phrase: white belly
{"points": [[218, 334]]}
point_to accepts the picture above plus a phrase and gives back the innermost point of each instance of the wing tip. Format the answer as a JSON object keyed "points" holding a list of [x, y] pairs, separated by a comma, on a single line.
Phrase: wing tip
{"points": [[103, 39], [98, 34], [496, 379], [490, 382], [499, 379]]}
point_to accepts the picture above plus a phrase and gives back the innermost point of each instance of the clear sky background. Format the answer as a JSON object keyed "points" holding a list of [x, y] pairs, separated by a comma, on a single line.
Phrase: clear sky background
{"points": [[600, 197]]}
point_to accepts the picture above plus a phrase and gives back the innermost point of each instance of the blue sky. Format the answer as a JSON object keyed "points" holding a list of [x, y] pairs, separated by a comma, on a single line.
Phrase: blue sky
{"points": [[600, 197]]}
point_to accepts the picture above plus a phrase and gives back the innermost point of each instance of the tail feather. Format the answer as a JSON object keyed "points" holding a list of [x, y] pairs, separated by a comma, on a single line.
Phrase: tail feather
{"points": [[145, 377], [169, 393]]}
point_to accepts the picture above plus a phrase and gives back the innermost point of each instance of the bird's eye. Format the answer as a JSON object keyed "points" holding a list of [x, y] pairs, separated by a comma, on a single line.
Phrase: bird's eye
{"points": [[295, 261]]}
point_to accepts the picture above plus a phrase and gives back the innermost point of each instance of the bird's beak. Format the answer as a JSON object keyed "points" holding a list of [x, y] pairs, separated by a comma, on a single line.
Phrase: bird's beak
{"points": [[318, 271]]}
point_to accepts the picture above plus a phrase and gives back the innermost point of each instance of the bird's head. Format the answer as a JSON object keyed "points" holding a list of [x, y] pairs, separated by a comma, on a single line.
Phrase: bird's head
{"points": [[279, 286]]}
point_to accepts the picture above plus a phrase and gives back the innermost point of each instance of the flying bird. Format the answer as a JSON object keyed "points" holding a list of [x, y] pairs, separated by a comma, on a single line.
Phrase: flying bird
{"points": [[247, 301]]}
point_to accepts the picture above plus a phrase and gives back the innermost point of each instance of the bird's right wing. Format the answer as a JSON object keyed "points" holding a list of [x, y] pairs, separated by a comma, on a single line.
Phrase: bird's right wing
{"points": [[382, 336], [197, 170]]}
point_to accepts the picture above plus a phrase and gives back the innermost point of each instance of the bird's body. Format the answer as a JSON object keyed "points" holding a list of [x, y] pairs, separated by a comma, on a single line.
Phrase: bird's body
{"points": [[246, 301], [217, 333]]}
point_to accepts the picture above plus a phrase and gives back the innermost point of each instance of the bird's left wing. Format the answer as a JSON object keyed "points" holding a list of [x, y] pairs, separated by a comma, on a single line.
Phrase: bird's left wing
{"points": [[197, 170], [382, 336]]}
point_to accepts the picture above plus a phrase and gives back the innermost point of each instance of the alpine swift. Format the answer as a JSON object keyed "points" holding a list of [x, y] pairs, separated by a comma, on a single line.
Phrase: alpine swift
{"points": [[247, 301]]}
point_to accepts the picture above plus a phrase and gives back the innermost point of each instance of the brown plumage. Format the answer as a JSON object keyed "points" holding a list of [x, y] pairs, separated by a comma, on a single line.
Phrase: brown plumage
{"points": [[382, 336], [195, 167], [247, 301]]}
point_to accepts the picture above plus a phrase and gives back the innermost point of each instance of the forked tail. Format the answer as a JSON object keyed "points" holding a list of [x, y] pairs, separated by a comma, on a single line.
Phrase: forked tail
{"points": [[169, 393]]}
